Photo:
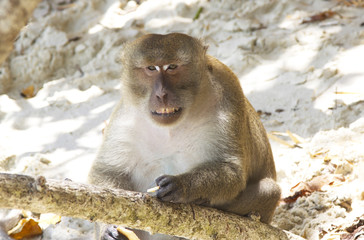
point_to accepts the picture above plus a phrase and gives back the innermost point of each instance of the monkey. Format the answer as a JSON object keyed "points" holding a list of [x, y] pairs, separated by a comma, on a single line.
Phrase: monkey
{"points": [[184, 124]]}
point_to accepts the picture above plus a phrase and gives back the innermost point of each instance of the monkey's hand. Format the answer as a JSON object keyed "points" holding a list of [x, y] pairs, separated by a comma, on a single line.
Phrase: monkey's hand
{"points": [[111, 233], [171, 189]]}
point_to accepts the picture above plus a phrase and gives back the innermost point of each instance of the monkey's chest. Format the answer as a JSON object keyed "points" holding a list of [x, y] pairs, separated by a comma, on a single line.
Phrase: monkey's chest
{"points": [[170, 155]]}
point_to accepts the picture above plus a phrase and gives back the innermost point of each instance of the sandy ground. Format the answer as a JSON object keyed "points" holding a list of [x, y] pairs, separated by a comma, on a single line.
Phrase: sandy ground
{"points": [[306, 78]]}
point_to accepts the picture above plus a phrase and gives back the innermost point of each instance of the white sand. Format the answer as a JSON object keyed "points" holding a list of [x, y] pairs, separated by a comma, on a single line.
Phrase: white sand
{"points": [[290, 71]]}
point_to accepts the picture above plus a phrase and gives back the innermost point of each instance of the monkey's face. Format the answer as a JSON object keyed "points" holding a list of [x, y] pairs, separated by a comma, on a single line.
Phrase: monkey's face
{"points": [[164, 75], [172, 91], [169, 89]]}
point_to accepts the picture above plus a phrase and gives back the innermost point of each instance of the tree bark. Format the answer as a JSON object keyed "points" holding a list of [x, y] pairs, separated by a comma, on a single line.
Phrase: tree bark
{"points": [[126, 208], [13, 16]]}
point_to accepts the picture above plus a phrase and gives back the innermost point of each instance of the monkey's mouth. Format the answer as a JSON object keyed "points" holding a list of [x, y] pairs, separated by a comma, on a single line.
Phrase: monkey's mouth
{"points": [[167, 116], [166, 112]]}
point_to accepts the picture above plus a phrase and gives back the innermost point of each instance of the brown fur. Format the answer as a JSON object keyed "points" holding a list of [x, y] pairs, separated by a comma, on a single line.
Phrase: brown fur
{"points": [[212, 151]]}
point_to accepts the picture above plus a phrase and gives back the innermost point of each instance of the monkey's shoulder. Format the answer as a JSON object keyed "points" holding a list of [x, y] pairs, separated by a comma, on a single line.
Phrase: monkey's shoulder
{"points": [[225, 82], [222, 73]]}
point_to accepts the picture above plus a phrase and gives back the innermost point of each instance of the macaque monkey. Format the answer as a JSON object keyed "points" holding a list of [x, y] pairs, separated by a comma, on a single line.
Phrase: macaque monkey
{"points": [[184, 124]]}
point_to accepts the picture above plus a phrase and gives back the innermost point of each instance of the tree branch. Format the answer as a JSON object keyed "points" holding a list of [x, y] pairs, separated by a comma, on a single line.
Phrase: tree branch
{"points": [[131, 209]]}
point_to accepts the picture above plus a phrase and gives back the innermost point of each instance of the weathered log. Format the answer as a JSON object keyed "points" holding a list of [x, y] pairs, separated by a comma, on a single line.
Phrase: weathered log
{"points": [[126, 208]]}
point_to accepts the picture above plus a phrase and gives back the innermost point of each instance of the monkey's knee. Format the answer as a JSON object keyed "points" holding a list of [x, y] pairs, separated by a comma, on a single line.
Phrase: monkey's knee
{"points": [[271, 194], [260, 197], [271, 189]]}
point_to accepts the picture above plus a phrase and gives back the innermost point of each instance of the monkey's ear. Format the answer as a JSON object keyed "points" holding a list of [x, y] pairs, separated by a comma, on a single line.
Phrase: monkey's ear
{"points": [[123, 52], [118, 59], [205, 47]]}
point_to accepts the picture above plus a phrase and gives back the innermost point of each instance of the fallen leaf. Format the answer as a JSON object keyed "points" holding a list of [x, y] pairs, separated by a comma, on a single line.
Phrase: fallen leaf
{"points": [[355, 226], [355, 3], [26, 228], [357, 234], [318, 153], [336, 92], [292, 136], [345, 203], [327, 159], [315, 184], [320, 16], [281, 141], [28, 92], [49, 218], [296, 195], [128, 233]]}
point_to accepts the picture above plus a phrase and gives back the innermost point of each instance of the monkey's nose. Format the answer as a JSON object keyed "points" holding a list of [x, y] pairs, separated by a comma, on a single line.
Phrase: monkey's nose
{"points": [[162, 96]]}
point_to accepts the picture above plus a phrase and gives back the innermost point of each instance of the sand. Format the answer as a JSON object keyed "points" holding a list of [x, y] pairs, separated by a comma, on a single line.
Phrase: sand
{"points": [[302, 77]]}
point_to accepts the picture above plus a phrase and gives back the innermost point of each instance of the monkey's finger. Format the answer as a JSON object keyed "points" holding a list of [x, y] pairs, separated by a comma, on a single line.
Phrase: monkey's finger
{"points": [[166, 197], [172, 196], [163, 192], [163, 180], [169, 193]]}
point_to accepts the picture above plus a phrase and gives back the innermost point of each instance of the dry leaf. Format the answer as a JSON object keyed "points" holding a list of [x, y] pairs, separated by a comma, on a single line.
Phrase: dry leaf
{"points": [[65, 4], [128, 233], [345, 203], [320, 16], [355, 226], [354, 235], [296, 195], [355, 3], [25, 228], [28, 92], [318, 153], [49, 218], [277, 139], [327, 159], [316, 183], [295, 138], [306, 188], [348, 93]]}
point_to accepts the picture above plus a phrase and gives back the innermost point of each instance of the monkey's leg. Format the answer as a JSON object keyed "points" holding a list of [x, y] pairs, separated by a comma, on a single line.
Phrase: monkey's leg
{"points": [[261, 197]]}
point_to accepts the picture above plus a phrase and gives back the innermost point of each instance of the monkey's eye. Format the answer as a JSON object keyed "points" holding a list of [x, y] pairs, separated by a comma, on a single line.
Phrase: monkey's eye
{"points": [[172, 66], [152, 68]]}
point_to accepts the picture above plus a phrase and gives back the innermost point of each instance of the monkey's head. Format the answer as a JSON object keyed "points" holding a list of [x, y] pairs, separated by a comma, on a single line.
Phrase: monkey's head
{"points": [[163, 74]]}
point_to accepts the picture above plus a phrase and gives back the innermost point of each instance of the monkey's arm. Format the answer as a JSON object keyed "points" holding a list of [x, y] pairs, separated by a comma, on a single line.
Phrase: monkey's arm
{"points": [[104, 175], [213, 182], [113, 162]]}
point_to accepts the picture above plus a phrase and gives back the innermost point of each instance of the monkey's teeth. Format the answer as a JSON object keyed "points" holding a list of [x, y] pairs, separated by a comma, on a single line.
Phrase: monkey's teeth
{"points": [[167, 110]]}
